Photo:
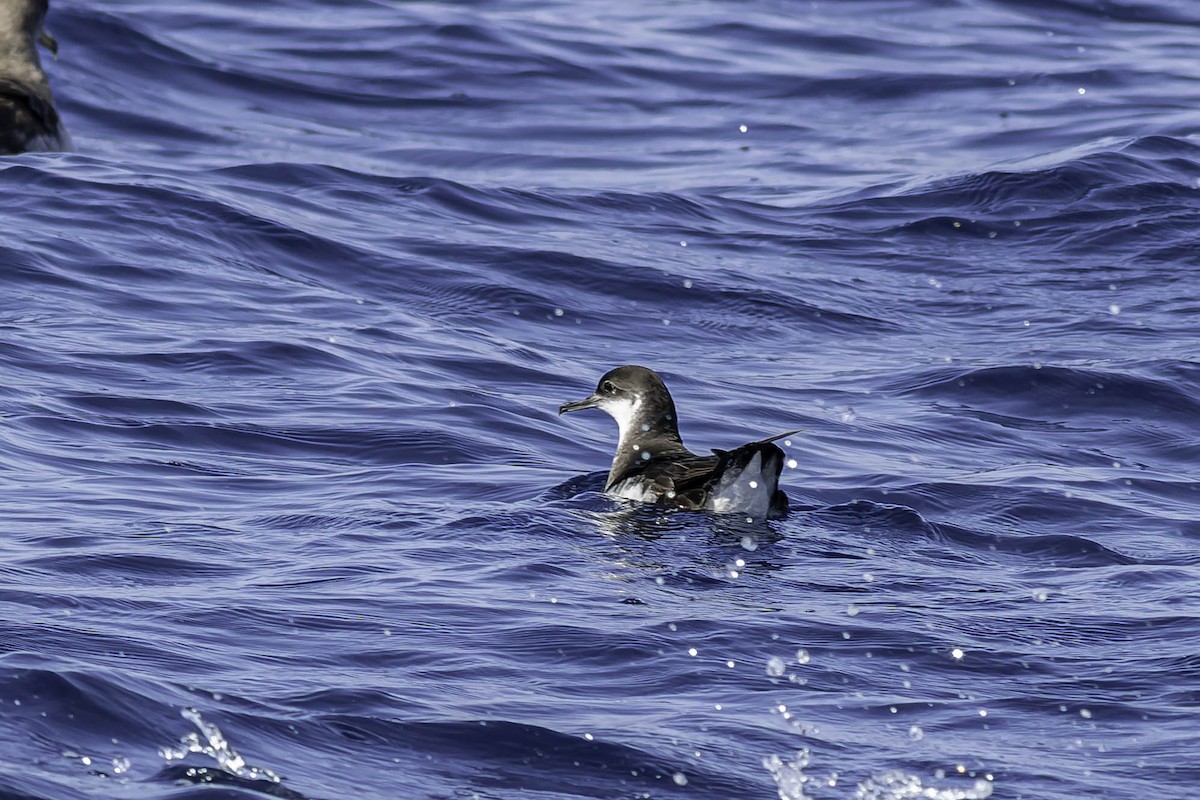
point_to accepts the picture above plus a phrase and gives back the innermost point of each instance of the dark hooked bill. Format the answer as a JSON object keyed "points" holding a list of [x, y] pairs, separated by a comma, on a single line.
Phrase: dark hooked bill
{"points": [[579, 405]]}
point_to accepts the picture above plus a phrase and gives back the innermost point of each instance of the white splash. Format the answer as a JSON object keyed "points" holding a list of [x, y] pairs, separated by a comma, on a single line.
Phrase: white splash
{"points": [[790, 780], [898, 785], [789, 775], [211, 742]]}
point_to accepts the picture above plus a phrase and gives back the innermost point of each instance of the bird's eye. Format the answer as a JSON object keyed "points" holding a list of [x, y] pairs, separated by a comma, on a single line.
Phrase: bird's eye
{"points": [[608, 387]]}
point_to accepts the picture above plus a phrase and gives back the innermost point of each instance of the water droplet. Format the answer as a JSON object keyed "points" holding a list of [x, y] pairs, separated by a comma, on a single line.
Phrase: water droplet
{"points": [[687, 284], [1114, 309], [775, 667], [558, 312], [853, 610], [957, 654], [915, 733], [743, 128], [680, 779], [1081, 90], [791, 463], [1085, 713], [1041, 595], [802, 656], [748, 543], [753, 484], [693, 651]]}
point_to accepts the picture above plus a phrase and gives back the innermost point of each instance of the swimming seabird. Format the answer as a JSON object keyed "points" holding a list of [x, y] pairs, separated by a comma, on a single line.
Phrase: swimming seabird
{"points": [[28, 118], [652, 465]]}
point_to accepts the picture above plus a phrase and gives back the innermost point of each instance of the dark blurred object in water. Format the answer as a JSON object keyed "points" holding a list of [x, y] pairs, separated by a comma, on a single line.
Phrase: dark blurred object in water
{"points": [[28, 118]]}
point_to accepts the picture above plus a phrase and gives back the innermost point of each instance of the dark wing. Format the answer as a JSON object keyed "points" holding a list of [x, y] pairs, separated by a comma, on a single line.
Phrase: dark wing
{"points": [[777, 437], [706, 468], [682, 478], [779, 503], [679, 478]]}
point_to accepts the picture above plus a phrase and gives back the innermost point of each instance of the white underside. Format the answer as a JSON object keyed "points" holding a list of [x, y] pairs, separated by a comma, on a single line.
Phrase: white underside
{"points": [[746, 492], [625, 410], [634, 489]]}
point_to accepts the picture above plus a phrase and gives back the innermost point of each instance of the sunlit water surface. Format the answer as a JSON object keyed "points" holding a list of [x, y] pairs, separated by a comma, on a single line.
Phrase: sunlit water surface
{"points": [[287, 509]]}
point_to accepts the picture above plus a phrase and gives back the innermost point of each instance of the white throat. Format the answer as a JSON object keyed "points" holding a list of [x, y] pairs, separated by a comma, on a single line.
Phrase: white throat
{"points": [[624, 411]]}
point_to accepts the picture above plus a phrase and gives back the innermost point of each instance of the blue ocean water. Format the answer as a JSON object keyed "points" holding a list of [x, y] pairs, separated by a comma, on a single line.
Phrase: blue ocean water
{"points": [[287, 509]]}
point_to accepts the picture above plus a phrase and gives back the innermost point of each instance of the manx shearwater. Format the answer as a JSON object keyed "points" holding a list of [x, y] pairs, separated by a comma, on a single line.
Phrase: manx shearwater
{"points": [[652, 465], [28, 118]]}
